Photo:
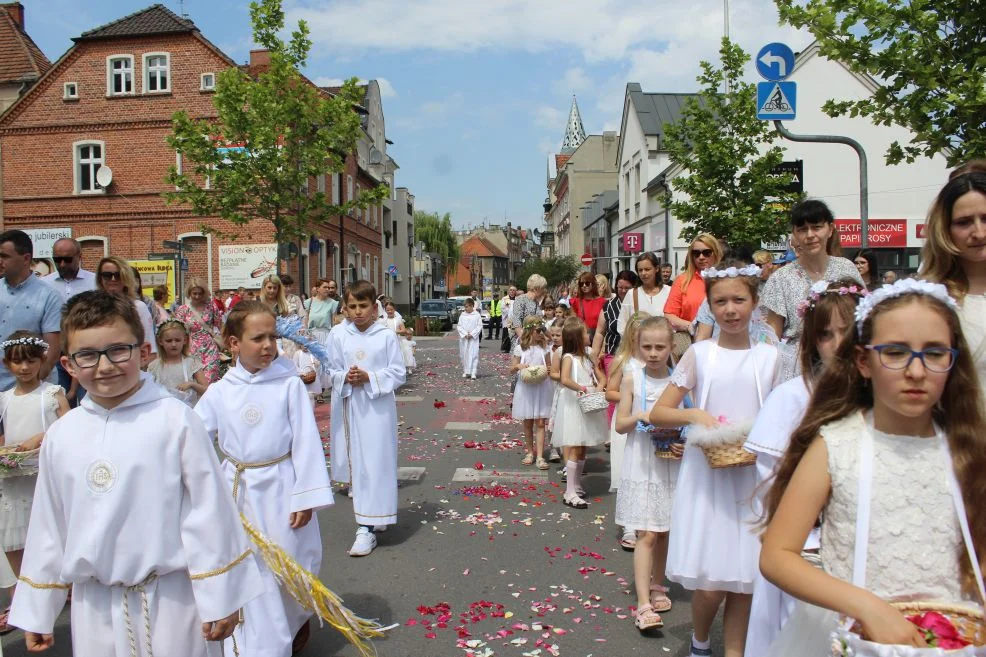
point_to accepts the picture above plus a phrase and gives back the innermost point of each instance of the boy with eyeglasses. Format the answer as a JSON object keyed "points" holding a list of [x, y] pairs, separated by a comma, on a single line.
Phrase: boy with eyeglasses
{"points": [[130, 510]]}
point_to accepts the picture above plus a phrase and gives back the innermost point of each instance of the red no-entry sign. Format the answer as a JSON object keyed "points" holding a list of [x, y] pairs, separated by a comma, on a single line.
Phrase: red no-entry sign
{"points": [[587, 259]]}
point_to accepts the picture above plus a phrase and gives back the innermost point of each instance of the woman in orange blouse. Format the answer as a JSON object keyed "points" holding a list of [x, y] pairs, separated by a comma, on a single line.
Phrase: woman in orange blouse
{"points": [[688, 290]]}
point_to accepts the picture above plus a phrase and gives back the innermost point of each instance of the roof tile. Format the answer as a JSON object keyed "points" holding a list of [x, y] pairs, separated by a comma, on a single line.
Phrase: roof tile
{"points": [[156, 19], [20, 58]]}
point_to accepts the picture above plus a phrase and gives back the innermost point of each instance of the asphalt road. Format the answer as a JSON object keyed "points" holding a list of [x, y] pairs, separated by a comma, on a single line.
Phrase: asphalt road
{"points": [[485, 560]]}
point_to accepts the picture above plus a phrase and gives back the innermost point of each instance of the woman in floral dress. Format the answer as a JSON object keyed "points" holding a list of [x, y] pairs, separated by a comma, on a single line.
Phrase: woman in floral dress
{"points": [[203, 322]]}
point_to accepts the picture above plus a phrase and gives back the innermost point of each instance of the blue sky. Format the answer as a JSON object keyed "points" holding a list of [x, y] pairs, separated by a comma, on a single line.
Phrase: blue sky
{"points": [[476, 92]]}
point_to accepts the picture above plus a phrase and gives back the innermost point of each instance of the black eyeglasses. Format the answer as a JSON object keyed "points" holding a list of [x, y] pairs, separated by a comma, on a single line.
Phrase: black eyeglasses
{"points": [[109, 275], [61, 259], [899, 357], [706, 253], [115, 353]]}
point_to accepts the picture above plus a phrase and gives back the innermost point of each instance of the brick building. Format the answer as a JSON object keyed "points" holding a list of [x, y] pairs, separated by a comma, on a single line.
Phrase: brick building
{"points": [[482, 266], [108, 102], [21, 61]]}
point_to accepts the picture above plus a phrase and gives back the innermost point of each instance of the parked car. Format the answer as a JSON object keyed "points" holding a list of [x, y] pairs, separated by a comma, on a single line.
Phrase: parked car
{"points": [[485, 312], [460, 306], [439, 309]]}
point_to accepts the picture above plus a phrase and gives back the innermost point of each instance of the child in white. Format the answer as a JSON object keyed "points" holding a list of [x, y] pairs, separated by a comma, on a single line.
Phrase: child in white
{"points": [[182, 375], [828, 314], [532, 401], [573, 429], [713, 549], [130, 512], [366, 369], [470, 327], [395, 323], [274, 463], [646, 490], [308, 368], [893, 461], [26, 410]]}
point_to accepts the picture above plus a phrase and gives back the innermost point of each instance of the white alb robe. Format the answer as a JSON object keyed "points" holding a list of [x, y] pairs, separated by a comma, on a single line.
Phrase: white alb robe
{"points": [[259, 418], [364, 418], [130, 505], [469, 324]]}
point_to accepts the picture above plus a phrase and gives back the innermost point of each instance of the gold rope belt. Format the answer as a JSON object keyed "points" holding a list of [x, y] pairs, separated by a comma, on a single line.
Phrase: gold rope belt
{"points": [[245, 465], [145, 612]]}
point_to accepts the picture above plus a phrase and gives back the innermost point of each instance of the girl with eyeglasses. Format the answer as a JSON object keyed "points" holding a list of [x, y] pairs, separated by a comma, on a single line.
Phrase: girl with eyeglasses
{"points": [[813, 231], [115, 276], [890, 454]]}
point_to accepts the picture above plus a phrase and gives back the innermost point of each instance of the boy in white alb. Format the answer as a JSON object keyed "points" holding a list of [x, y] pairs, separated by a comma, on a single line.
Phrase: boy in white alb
{"points": [[470, 327], [274, 462], [366, 369], [130, 511]]}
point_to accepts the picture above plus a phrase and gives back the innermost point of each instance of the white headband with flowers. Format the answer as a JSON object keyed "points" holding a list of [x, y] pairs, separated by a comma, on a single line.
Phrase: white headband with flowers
{"points": [[34, 342], [731, 272], [898, 289], [821, 288]]}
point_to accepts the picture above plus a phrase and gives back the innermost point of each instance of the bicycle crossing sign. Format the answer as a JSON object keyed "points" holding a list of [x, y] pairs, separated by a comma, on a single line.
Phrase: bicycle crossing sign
{"points": [[777, 101]]}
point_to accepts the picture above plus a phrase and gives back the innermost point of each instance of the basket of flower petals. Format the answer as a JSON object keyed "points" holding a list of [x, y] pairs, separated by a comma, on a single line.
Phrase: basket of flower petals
{"points": [[947, 629], [723, 444], [534, 374]]}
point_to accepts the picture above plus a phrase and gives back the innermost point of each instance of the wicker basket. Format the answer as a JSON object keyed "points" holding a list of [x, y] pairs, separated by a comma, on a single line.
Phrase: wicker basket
{"points": [[593, 402], [534, 374], [729, 456], [968, 621], [667, 434]]}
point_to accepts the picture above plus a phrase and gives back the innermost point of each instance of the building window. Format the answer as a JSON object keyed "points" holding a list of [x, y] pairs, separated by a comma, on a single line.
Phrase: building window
{"points": [[208, 82], [157, 72], [120, 75], [320, 183], [178, 166], [89, 156], [71, 91], [376, 266], [336, 188], [349, 188]]}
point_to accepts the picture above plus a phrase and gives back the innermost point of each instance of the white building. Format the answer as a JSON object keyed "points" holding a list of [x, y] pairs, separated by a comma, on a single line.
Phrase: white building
{"points": [[899, 195]]}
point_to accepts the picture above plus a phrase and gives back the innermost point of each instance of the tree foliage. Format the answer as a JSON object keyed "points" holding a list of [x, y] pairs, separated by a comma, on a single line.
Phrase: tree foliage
{"points": [[274, 135], [556, 270], [928, 55], [727, 187], [438, 236]]}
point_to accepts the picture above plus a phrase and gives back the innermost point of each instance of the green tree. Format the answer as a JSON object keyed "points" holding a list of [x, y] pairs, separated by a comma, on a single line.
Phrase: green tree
{"points": [[556, 270], [727, 187], [438, 236], [927, 55], [273, 135]]}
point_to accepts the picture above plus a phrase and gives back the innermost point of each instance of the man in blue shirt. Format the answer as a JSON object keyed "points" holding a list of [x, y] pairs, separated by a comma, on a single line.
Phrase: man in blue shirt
{"points": [[26, 302]]}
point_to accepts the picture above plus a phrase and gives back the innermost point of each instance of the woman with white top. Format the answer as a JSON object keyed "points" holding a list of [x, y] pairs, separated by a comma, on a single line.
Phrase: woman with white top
{"points": [[650, 297]]}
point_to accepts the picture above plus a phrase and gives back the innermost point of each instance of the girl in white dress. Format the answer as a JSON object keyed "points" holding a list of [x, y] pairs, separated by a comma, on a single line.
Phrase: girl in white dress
{"points": [[532, 401], [828, 315], [891, 453], [625, 360], [182, 375], [554, 357], [396, 324], [26, 410], [643, 501], [575, 430], [713, 548]]}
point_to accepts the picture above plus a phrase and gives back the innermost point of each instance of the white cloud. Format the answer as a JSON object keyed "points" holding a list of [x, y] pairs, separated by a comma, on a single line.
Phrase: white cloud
{"points": [[572, 81], [442, 106], [550, 117], [386, 88]]}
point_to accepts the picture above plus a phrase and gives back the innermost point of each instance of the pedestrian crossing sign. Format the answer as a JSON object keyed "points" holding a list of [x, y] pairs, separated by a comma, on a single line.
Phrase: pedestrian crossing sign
{"points": [[776, 101]]}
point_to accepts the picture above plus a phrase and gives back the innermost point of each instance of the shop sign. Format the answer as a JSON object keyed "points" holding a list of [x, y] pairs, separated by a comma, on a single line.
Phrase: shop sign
{"points": [[632, 242], [883, 233]]}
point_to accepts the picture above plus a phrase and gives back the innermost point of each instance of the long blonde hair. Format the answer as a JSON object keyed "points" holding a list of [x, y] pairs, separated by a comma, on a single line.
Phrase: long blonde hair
{"points": [[841, 390], [628, 343], [691, 273], [280, 306], [940, 259], [126, 276]]}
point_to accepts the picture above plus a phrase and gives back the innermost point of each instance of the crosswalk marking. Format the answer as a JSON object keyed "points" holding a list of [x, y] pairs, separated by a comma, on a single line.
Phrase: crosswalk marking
{"points": [[468, 426], [410, 473], [491, 474]]}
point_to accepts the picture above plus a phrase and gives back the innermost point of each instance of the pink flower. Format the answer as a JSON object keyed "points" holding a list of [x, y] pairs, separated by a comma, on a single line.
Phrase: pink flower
{"points": [[940, 632]]}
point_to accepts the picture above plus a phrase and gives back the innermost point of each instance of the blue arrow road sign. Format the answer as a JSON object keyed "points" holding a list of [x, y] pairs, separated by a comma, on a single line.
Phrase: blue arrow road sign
{"points": [[777, 101], [775, 61]]}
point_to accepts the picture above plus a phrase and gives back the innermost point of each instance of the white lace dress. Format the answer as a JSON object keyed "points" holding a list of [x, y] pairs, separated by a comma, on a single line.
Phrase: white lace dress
{"points": [[972, 314], [713, 545], [915, 538], [532, 401], [643, 500], [170, 375], [23, 417], [572, 427]]}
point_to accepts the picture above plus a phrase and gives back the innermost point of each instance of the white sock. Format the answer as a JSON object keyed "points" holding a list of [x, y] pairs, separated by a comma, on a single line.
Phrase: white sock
{"points": [[705, 645], [572, 470], [581, 468]]}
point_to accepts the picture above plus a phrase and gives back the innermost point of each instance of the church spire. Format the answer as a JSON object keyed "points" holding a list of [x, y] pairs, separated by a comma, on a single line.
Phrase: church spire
{"points": [[574, 131]]}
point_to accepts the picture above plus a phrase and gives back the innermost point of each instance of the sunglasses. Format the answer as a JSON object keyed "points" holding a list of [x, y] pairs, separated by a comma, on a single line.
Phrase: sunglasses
{"points": [[109, 275], [585, 284], [704, 253], [61, 259]]}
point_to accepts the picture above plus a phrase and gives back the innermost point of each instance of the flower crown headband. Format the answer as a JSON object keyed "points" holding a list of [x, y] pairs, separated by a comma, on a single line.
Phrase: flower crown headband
{"points": [[34, 342], [731, 272], [170, 323], [821, 288], [899, 289]]}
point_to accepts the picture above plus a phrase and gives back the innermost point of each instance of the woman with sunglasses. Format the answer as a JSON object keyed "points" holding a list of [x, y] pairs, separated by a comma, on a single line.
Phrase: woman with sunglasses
{"points": [[813, 231], [115, 276], [587, 304], [688, 290]]}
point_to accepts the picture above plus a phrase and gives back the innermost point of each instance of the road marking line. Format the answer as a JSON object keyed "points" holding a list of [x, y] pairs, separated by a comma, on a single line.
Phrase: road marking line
{"points": [[471, 474], [477, 399], [409, 398], [468, 426], [411, 473]]}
